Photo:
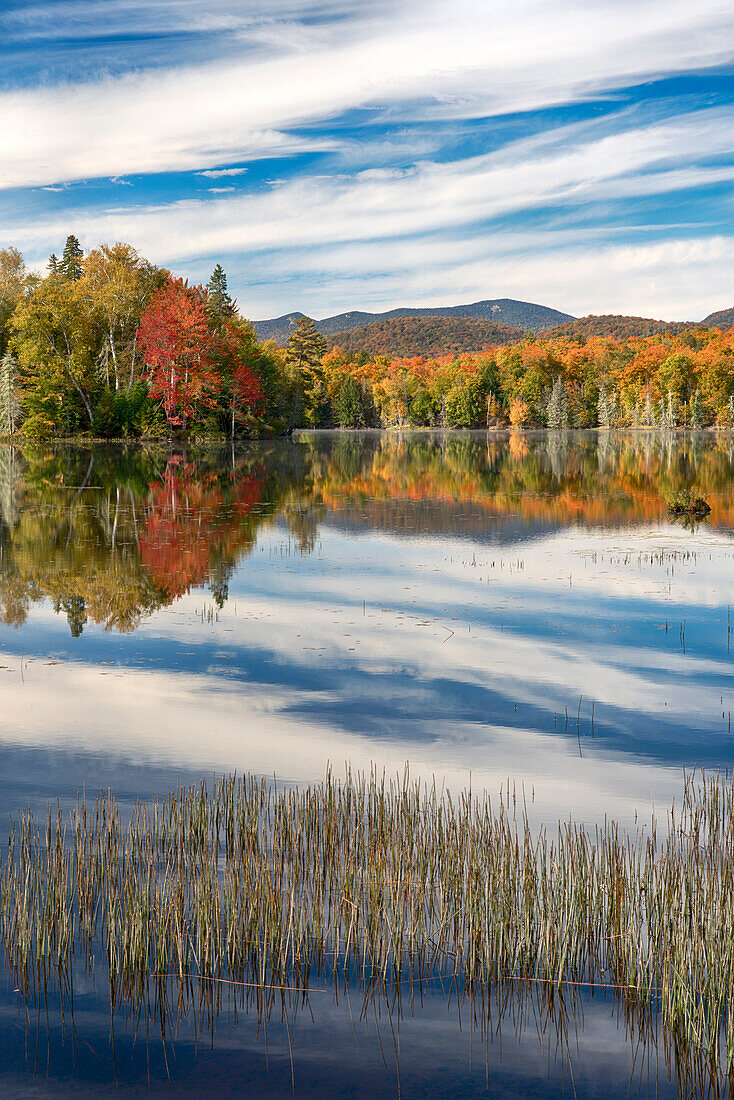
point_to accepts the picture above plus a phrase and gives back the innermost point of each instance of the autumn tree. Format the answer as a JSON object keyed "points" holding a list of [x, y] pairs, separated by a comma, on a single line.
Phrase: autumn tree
{"points": [[180, 351], [53, 340], [238, 351], [117, 284], [15, 283]]}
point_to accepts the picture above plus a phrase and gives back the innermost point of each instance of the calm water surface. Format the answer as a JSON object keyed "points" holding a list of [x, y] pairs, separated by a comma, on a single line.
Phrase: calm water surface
{"points": [[487, 610]]}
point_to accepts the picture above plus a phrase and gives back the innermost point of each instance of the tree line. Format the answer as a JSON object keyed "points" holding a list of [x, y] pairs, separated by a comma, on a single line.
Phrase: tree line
{"points": [[109, 345]]}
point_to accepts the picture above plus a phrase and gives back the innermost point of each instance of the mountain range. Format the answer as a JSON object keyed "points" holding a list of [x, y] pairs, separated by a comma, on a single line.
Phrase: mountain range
{"points": [[444, 329], [525, 316]]}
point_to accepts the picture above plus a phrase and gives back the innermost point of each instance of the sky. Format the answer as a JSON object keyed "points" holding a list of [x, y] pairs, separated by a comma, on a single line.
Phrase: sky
{"points": [[367, 154]]}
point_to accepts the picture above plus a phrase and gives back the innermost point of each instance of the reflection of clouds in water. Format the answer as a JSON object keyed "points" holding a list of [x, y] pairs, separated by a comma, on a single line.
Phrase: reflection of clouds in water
{"points": [[451, 664], [502, 1056], [201, 723]]}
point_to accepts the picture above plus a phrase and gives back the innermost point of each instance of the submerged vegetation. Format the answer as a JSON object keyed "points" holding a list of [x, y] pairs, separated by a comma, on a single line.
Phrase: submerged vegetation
{"points": [[108, 345], [389, 885]]}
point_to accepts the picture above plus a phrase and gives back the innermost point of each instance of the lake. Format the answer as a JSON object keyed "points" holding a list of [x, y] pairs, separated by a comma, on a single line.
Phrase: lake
{"points": [[510, 612]]}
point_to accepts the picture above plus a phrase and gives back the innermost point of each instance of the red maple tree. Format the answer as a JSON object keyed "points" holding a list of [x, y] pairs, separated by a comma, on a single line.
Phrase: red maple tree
{"points": [[237, 346], [180, 351]]}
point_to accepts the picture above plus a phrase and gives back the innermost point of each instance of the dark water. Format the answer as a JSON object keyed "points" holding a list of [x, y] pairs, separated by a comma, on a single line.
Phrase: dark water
{"points": [[485, 609]]}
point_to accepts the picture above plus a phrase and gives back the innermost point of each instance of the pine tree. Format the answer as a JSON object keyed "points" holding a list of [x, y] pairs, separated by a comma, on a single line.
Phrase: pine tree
{"points": [[306, 345], [557, 411], [70, 267], [305, 349], [10, 410], [53, 264], [220, 305]]}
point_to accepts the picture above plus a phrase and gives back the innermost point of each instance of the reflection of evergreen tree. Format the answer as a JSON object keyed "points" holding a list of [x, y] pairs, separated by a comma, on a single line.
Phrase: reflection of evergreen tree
{"points": [[10, 474], [75, 609]]}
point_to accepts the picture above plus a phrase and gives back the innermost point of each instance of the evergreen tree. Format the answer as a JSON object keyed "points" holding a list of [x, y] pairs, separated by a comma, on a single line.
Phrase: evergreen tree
{"points": [[53, 264], [348, 405], [10, 409], [220, 305], [306, 345], [557, 412], [75, 608], [70, 267], [304, 351]]}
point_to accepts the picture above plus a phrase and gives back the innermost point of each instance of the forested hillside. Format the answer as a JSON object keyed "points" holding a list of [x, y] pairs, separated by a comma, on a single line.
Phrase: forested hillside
{"points": [[619, 326], [426, 336], [723, 319], [107, 345]]}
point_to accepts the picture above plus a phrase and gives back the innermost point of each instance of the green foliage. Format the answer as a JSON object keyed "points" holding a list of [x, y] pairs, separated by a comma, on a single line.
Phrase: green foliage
{"points": [[349, 405], [70, 267], [557, 412], [220, 306], [304, 353], [423, 409], [687, 502], [466, 405], [14, 285]]}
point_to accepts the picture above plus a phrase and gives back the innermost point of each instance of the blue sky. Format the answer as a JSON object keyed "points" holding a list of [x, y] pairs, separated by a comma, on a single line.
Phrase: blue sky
{"points": [[338, 154]]}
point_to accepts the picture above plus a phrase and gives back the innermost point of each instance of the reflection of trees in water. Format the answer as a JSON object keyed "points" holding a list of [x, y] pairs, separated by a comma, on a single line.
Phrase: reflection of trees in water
{"points": [[10, 468], [110, 535], [111, 541]]}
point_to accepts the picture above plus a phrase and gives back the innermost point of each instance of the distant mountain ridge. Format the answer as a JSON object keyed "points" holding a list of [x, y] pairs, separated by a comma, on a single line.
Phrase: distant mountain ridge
{"points": [[723, 318], [526, 316]]}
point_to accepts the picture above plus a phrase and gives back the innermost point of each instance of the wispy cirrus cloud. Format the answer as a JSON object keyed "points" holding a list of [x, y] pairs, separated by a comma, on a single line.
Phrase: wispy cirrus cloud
{"points": [[410, 232], [220, 173], [462, 60], [451, 130]]}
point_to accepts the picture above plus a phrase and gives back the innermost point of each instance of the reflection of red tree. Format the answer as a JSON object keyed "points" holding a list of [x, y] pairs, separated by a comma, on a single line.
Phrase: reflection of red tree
{"points": [[192, 518]]}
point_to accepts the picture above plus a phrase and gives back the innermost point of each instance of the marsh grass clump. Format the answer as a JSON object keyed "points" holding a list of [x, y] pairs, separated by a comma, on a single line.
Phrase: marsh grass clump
{"points": [[386, 884], [687, 502]]}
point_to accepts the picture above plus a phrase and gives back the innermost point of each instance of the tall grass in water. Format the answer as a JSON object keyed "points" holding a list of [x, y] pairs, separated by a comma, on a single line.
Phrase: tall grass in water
{"points": [[391, 884]]}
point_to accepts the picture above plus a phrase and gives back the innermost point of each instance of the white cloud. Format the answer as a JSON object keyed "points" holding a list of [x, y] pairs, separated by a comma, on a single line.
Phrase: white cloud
{"points": [[219, 173], [468, 59], [410, 234]]}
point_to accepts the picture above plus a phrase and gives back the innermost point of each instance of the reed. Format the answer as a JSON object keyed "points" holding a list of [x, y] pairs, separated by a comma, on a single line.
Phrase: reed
{"points": [[389, 883]]}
